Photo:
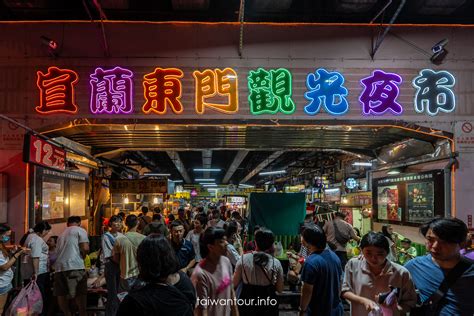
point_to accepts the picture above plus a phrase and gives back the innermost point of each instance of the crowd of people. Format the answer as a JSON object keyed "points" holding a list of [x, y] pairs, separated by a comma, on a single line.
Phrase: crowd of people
{"points": [[202, 263]]}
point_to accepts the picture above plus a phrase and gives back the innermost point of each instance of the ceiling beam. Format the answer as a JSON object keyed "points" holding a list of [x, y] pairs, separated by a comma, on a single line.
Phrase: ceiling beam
{"points": [[174, 156], [262, 165], [241, 154]]}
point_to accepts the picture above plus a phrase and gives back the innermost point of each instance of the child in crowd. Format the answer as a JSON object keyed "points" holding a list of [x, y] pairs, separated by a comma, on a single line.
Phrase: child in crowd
{"points": [[406, 252]]}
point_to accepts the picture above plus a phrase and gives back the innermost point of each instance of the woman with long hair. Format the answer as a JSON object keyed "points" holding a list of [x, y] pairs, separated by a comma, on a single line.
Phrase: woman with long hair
{"points": [[35, 265], [168, 291], [7, 260], [261, 275]]}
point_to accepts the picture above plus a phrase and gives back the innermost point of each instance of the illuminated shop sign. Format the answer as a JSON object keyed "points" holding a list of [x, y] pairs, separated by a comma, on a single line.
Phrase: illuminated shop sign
{"points": [[380, 93], [270, 91], [326, 89]]}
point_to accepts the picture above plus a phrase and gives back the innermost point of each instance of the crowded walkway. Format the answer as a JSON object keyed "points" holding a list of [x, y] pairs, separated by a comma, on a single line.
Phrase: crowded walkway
{"points": [[206, 263]]}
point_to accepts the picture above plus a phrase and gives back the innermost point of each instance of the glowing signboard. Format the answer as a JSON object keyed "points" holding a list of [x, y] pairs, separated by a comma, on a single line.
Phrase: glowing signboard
{"points": [[434, 92], [57, 91], [43, 153], [112, 91], [326, 89], [270, 91], [380, 93], [351, 183], [162, 87], [210, 83]]}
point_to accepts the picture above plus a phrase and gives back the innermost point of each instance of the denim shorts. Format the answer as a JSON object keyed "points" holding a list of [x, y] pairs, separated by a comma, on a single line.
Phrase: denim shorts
{"points": [[5, 289]]}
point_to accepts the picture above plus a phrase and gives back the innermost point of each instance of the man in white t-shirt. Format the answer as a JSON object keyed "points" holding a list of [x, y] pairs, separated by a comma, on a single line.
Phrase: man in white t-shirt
{"points": [[70, 279]]}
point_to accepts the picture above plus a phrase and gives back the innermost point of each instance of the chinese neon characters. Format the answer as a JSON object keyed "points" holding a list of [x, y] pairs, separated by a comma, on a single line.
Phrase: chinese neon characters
{"points": [[380, 93], [161, 88], [210, 83], [326, 89], [112, 91], [57, 91], [434, 92], [270, 91]]}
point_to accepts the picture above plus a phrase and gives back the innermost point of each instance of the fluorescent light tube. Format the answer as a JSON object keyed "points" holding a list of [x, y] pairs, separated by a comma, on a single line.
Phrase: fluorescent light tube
{"points": [[267, 173]]}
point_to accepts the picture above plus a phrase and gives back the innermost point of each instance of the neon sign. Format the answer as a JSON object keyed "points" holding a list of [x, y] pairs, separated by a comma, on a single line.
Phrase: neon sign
{"points": [[57, 91], [270, 91], [326, 89], [163, 87], [380, 93], [351, 183], [210, 83], [112, 91], [434, 92]]}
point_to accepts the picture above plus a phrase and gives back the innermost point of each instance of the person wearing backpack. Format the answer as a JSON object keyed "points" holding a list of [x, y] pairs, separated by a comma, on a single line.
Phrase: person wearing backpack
{"points": [[157, 226], [261, 275], [339, 233]]}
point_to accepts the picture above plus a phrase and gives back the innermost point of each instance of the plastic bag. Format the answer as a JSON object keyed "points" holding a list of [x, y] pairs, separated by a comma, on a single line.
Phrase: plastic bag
{"points": [[28, 301], [278, 249]]}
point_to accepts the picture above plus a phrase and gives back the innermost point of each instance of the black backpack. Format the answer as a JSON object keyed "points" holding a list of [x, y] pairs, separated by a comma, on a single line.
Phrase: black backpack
{"points": [[340, 238]]}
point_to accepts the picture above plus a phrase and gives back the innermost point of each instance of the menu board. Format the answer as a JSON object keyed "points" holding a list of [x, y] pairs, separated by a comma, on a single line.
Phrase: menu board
{"points": [[420, 201], [387, 201], [53, 199], [77, 196]]}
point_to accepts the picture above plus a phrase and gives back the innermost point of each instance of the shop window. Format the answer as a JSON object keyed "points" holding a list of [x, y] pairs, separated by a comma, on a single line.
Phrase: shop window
{"points": [[52, 198], [77, 200], [59, 195]]}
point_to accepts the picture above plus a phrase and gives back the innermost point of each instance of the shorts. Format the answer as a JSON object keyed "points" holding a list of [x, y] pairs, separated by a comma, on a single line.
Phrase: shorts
{"points": [[70, 283], [5, 289]]}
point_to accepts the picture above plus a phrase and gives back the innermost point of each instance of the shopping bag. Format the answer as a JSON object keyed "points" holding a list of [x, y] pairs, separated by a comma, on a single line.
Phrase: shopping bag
{"points": [[28, 302]]}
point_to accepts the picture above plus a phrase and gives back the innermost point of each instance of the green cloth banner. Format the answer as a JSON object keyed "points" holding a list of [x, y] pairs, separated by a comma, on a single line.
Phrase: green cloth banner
{"points": [[280, 212]]}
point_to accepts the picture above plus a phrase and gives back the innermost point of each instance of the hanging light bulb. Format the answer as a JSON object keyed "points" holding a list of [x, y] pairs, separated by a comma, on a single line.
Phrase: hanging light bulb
{"points": [[155, 200], [126, 200]]}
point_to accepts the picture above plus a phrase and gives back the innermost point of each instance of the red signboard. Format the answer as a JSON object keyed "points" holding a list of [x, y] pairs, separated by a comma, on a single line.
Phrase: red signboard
{"points": [[43, 153]]}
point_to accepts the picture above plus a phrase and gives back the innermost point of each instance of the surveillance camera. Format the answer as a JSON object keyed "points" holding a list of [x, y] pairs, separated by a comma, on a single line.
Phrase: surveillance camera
{"points": [[49, 42], [439, 46]]}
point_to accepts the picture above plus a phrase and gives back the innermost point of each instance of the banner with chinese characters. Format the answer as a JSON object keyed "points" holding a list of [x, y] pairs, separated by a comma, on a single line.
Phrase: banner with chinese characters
{"points": [[139, 186], [156, 92], [41, 152]]}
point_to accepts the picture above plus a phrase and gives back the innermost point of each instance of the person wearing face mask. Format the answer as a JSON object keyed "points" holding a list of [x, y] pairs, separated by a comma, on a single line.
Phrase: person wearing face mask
{"points": [[7, 260], [35, 265], [371, 274]]}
